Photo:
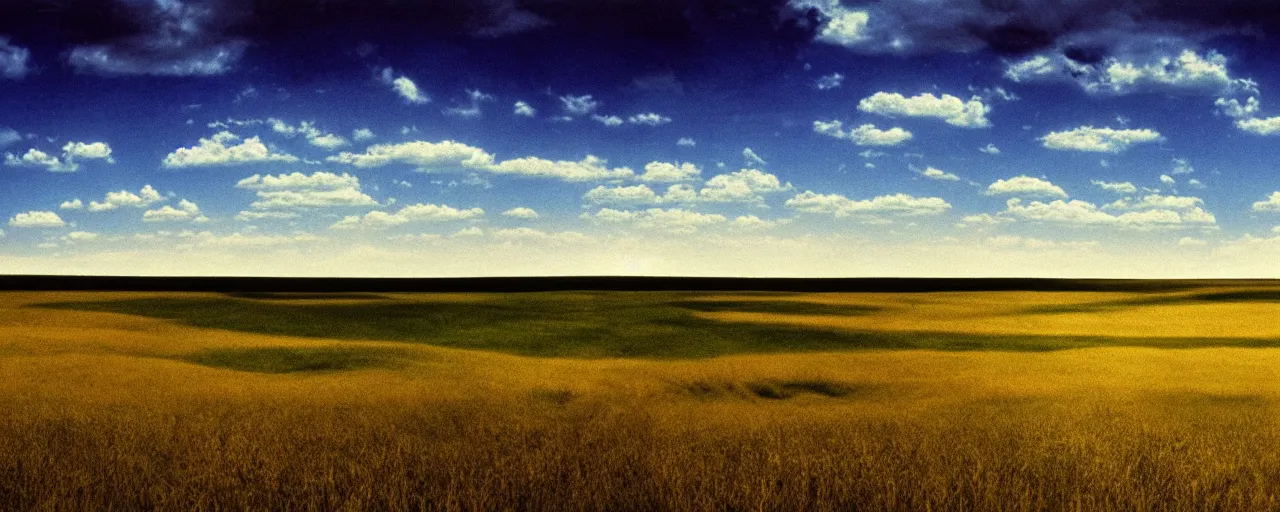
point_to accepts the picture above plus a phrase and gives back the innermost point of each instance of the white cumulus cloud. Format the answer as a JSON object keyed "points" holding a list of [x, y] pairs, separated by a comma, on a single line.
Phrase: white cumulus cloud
{"points": [[521, 212], [405, 87], [313, 135], [828, 82], [80, 236], [752, 158], [251, 216], [1188, 70], [412, 213], [222, 149], [752, 222], [1260, 126], [610, 121], [523, 109], [1100, 140], [316, 181], [36, 219], [1077, 212], [865, 135], [632, 195], [590, 168], [578, 105], [297, 190], [123, 198], [841, 206], [450, 155], [953, 110], [663, 172], [36, 158], [1122, 187], [186, 211], [87, 151], [743, 186], [649, 119], [1025, 185], [1231, 107], [938, 174], [423, 154], [1156, 201], [675, 220], [844, 26], [1270, 204], [72, 154]]}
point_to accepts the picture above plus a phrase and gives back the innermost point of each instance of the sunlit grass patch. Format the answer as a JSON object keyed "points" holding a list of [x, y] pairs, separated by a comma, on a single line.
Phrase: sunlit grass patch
{"points": [[297, 359]]}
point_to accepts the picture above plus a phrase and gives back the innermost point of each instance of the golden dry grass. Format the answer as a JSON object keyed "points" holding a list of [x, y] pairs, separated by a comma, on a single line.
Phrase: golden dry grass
{"points": [[1005, 313], [99, 412]]}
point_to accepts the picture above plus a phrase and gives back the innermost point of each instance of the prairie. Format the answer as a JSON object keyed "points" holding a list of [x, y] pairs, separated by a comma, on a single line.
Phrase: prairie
{"points": [[1163, 399]]}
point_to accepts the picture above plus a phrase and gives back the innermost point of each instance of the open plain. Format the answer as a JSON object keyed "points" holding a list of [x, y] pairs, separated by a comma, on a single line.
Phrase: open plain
{"points": [[1165, 398]]}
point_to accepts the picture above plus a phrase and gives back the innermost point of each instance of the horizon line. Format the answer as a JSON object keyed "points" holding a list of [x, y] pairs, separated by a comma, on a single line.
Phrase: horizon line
{"points": [[499, 284]]}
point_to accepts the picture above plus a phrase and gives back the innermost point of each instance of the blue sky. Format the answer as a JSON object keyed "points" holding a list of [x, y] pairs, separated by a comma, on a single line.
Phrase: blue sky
{"points": [[801, 137]]}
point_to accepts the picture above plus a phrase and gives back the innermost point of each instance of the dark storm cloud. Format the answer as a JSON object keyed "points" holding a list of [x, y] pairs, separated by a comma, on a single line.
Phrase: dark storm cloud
{"points": [[1088, 29], [131, 37], [208, 37]]}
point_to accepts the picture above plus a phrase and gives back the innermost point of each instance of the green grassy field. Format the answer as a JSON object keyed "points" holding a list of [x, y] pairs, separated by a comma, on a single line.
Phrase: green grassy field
{"points": [[612, 324]]}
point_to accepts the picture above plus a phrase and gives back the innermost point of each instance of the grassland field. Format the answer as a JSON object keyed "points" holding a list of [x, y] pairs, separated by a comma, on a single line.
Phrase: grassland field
{"points": [[1158, 399]]}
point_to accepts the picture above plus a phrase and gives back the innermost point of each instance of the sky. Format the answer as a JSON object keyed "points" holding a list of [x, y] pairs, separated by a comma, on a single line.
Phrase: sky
{"points": [[808, 138]]}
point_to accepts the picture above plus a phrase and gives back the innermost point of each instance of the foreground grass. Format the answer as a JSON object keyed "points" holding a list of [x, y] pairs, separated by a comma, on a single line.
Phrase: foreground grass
{"points": [[587, 455], [208, 440]]}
